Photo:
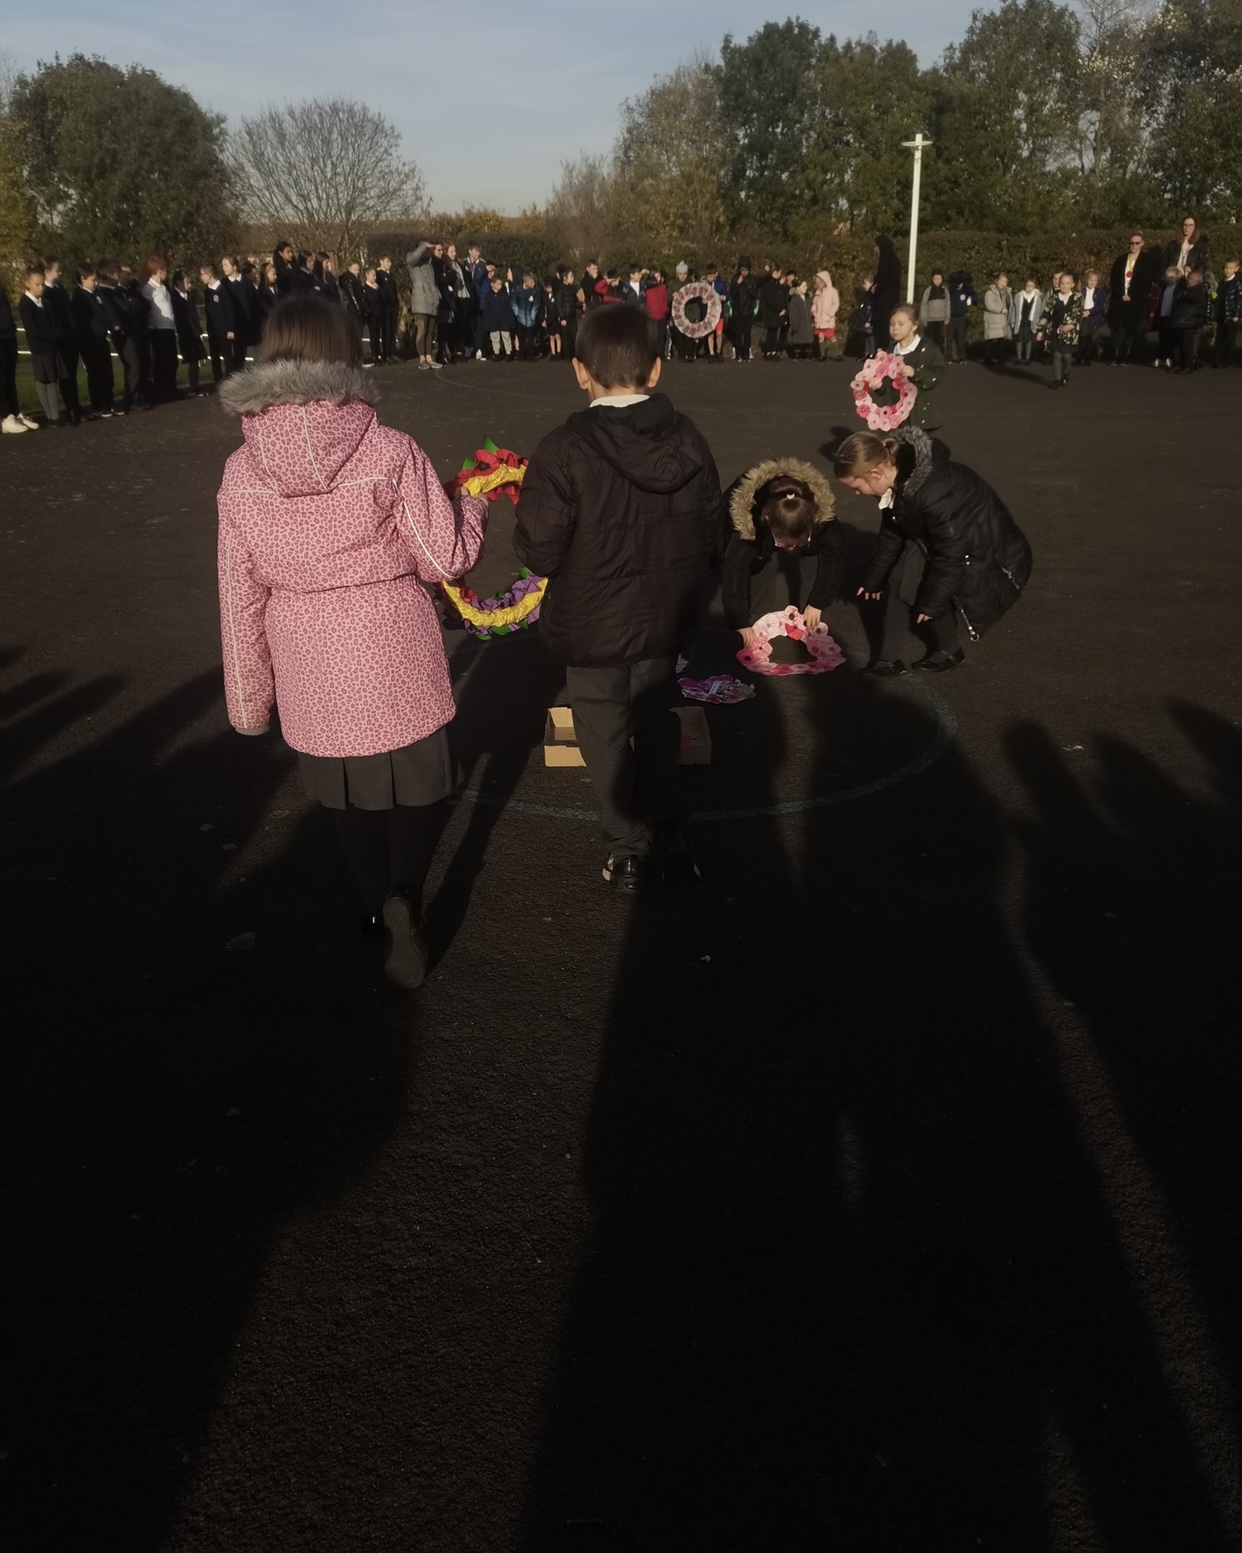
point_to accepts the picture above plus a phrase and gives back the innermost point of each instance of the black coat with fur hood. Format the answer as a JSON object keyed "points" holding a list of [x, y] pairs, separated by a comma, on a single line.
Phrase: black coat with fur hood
{"points": [[978, 559], [747, 543]]}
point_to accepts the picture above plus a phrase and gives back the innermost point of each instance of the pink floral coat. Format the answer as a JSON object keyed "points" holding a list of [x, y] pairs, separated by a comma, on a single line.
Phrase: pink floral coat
{"points": [[329, 525]]}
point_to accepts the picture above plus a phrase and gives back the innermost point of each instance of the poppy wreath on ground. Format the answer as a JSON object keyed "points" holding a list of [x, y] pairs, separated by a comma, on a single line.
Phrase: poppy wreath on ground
{"points": [[491, 472], [823, 652], [701, 291], [883, 394]]}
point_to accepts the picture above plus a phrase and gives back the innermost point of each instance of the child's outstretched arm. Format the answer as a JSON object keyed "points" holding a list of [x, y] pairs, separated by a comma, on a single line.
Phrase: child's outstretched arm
{"points": [[444, 535], [249, 688], [546, 515]]}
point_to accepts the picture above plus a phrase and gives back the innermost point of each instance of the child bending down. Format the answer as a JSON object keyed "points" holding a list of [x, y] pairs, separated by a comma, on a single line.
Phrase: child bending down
{"points": [[621, 509], [779, 518]]}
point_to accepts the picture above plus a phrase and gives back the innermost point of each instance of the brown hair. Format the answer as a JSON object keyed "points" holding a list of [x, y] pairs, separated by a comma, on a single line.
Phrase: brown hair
{"points": [[617, 346], [861, 453], [789, 511], [909, 309], [155, 264], [309, 328]]}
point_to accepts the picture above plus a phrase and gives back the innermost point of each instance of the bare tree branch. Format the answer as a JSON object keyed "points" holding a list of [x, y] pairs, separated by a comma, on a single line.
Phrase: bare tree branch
{"points": [[324, 167]]}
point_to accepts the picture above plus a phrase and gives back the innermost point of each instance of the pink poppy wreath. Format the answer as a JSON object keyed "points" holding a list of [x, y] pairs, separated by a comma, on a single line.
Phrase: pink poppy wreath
{"points": [[823, 652], [883, 371]]}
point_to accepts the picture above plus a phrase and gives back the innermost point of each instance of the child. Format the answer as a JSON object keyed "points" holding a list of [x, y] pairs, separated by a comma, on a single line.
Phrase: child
{"points": [[551, 323], [863, 323], [923, 363], [1228, 314], [1064, 321], [568, 306], [825, 305], [778, 514], [1190, 316], [1025, 317], [1164, 324], [715, 340], [189, 333], [330, 524], [801, 336], [621, 509], [43, 336], [526, 302], [1094, 312], [934, 310], [499, 322], [373, 311]]}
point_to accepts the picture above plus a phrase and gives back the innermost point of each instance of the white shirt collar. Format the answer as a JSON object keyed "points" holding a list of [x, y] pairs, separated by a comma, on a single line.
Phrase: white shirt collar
{"points": [[887, 500], [910, 345], [38, 301], [618, 401]]}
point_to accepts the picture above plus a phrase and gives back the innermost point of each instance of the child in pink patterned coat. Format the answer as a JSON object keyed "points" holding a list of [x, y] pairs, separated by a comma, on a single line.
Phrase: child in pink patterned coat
{"points": [[330, 524]]}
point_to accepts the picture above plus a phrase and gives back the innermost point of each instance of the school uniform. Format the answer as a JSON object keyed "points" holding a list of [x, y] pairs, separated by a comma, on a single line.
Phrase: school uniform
{"points": [[1190, 316], [1025, 315], [117, 308], [928, 362], [91, 319], [43, 338], [222, 320], [391, 307], [373, 312], [189, 335], [352, 298], [243, 309], [1228, 319], [57, 298], [162, 334]]}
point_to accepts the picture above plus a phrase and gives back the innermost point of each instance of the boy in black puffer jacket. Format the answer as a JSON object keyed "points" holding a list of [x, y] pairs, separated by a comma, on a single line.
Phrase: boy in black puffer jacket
{"points": [[621, 508], [1190, 316]]}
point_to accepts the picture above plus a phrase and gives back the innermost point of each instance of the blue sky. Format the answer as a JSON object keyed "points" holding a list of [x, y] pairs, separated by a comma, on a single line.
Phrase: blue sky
{"points": [[490, 99]]}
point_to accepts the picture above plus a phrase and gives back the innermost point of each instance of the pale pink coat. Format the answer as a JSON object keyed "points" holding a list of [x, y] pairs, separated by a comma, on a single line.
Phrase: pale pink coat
{"points": [[329, 525], [825, 302]]}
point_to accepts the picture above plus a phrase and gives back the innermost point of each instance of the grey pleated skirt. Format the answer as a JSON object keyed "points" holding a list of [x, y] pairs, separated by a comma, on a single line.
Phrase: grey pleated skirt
{"points": [[420, 773]]}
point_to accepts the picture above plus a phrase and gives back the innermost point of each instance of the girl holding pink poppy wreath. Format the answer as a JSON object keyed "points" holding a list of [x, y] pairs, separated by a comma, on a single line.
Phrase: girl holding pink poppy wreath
{"points": [[330, 525], [778, 519], [923, 361]]}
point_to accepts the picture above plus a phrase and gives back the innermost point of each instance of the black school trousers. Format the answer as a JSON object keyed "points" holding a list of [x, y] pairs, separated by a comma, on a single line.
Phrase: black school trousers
{"points": [[97, 359], [9, 404], [635, 784]]}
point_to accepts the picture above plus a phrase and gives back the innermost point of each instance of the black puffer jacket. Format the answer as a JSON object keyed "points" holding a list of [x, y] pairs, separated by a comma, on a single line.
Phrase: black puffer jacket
{"points": [[621, 507], [977, 557], [773, 302], [747, 543]]}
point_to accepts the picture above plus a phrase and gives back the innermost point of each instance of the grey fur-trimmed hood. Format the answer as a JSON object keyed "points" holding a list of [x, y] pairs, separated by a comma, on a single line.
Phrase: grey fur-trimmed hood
{"points": [[920, 444], [745, 492], [293, 382]]}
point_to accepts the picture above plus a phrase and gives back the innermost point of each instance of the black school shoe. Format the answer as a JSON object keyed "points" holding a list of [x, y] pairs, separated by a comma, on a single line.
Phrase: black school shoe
{"points": [[884, 668], [629, 875], [938, 662], [408, 953]]}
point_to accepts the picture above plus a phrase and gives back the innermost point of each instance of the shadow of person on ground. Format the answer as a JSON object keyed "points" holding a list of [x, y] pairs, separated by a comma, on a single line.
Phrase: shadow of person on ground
{"points": [[853, 1279], [195, 1047]]}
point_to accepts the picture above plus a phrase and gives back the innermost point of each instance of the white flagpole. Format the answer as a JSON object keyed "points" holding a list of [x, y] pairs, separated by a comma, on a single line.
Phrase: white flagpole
{"points": [[916, 145]]}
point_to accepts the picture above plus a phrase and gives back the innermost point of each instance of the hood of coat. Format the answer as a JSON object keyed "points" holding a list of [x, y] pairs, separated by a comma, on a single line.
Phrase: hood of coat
{"points": [[302, 420], [826, 277], [643, 441], [746, 500], [919, 454]]}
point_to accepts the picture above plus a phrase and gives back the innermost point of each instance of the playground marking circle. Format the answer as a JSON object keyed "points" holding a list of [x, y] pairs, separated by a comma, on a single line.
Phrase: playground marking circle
{"points": [[939, 744]]}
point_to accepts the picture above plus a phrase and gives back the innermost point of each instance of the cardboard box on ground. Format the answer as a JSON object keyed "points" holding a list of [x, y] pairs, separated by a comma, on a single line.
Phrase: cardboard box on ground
{"points": [[560, 743]]}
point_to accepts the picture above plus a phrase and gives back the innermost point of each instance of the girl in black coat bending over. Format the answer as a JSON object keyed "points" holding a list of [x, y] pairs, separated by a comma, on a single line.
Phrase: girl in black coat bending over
{"points": [[949, 554], [779, 515]]}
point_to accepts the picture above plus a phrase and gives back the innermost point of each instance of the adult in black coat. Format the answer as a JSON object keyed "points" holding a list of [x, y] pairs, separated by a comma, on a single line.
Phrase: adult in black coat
{"points": [[754, 554], [93, 323], [352, 295], [57, 299], [887, 290], [43, 339], [1134, 276], [10, 405], [1187, 252], [949, 552]]}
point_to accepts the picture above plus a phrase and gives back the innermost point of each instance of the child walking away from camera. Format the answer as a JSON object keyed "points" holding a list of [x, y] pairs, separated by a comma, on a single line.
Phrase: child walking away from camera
{"points": [[922, 361], [330, 524], [779, 518], [949, 553], [621, 508]]}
